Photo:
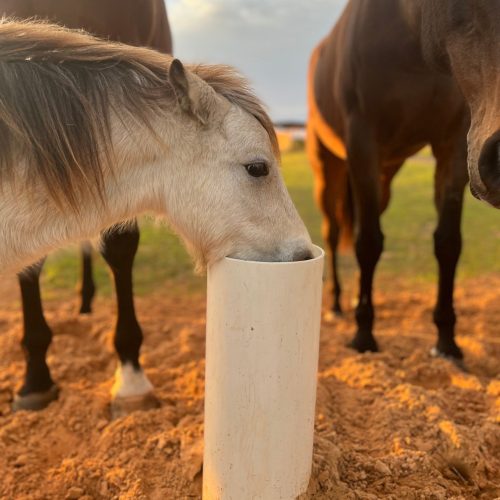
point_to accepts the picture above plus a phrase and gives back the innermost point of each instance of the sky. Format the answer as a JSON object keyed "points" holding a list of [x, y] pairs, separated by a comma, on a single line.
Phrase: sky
{"points": [[269, 41]]}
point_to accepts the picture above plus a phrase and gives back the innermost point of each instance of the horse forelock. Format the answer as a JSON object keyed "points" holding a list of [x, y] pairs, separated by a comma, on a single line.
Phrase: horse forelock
{"points": [[59, 87]]}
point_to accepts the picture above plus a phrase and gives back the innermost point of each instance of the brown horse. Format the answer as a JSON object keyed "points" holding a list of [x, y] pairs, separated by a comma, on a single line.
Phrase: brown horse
{"points": [[374, 101], [463, 38], [136, 22]]}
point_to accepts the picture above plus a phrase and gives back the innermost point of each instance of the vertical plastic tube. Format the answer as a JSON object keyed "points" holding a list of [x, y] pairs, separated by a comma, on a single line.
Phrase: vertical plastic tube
{"points": [[263, 323]]}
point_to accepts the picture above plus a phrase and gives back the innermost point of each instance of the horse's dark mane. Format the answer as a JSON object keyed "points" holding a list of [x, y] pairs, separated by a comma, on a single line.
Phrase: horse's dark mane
{"points": [[57, 90]]}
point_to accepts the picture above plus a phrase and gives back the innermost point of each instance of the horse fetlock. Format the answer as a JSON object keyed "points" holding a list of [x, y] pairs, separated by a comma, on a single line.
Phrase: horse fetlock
{"points": [[35, 401], [445, 322], [365, 315], [337, 305], [337, 309]]}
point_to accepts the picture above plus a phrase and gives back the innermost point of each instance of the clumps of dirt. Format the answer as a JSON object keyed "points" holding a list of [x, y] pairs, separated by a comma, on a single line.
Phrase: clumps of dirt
{"points": [[403, 425], [73, 449], [396, 424]]}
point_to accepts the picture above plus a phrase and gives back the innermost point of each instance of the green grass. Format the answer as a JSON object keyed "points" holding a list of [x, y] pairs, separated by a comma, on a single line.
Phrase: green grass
{"points": [[408, 225]]}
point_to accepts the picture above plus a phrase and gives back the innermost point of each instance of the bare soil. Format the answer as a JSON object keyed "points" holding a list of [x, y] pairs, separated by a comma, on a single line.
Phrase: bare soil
{"points": [[397, 424]]}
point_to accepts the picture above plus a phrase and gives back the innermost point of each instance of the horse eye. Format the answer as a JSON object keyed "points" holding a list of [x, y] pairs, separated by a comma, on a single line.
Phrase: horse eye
{"points": [[257, 169]]}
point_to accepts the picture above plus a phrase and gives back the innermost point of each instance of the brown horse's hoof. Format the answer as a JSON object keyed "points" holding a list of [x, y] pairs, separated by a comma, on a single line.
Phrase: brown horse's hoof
{"points": [[331, 316], [36, 400], [363, 344], [122, 406]]}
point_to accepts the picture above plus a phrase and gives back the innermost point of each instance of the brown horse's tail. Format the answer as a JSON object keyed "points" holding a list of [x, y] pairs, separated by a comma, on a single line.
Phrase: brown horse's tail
{"points": [[327, 155]]}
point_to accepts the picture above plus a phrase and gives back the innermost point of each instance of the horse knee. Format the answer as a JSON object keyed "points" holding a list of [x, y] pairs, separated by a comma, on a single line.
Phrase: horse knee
{"points": [[444, 317]]}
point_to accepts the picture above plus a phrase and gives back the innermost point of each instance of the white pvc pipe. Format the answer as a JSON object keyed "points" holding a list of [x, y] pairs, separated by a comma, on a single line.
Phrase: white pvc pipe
{"points": [[263, 322]]}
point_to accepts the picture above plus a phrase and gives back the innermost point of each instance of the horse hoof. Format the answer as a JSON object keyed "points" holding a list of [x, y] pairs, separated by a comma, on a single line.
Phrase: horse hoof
{"points": [[331, 316], [36, 400], [363, 345], [122, 406]]}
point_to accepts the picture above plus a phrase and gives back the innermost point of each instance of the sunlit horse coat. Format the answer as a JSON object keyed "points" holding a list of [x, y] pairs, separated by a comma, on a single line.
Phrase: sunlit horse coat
{"points": [[373, 102]]}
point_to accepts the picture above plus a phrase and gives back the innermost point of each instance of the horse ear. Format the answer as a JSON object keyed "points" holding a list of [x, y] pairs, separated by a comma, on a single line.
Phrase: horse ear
{"points": [[189, 92], [178, 79]]}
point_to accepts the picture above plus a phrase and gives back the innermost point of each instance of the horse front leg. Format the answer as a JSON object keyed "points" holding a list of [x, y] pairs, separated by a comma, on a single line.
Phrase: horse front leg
{"points": [[38, 389], [132, 389], [450, 182], [364, 174]]}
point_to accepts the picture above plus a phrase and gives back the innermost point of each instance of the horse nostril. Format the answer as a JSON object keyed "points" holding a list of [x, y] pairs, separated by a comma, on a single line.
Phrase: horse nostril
{"points": [[302, 254], [489, 163]]}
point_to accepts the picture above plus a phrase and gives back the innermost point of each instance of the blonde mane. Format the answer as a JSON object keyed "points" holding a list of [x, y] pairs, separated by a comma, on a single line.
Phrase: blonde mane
{"points": [[58, 89]]}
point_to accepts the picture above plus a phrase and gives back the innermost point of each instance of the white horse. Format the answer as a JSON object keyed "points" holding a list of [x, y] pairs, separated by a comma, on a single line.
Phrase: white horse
{"points": [[93, 133]]}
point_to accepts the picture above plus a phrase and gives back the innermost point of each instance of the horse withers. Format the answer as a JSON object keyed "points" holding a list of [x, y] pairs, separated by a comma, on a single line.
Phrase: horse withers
{"points": [[136, 23], [464, 38], [374, 101]]}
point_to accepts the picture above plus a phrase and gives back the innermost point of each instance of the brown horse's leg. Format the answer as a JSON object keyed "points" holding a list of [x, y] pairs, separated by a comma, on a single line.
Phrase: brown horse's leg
{"points": [[38, 389], [364, 173], [132, 389], [330, 184], [87, 289], [450, 181]]}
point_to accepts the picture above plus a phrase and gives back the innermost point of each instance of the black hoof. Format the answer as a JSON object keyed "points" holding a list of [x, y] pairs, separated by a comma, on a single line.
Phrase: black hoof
{"points": [[85, 309], [36, 400], [368, 344]]}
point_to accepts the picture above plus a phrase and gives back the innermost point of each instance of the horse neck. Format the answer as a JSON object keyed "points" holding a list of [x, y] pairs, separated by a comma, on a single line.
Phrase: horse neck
{"points": [[32, 225]]}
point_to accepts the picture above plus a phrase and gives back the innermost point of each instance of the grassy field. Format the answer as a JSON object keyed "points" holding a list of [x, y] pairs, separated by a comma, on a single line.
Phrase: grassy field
{"points": [[408, 225]]}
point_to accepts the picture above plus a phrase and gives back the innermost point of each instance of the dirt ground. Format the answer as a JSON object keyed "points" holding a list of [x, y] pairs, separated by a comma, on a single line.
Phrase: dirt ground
{"points": [[395, 425]]}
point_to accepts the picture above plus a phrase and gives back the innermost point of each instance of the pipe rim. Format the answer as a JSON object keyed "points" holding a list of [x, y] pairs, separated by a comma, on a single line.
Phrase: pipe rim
{"points": [[318, 252]]}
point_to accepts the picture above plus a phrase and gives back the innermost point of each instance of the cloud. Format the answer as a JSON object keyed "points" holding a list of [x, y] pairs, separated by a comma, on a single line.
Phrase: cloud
{"points": [[268, 40]]}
